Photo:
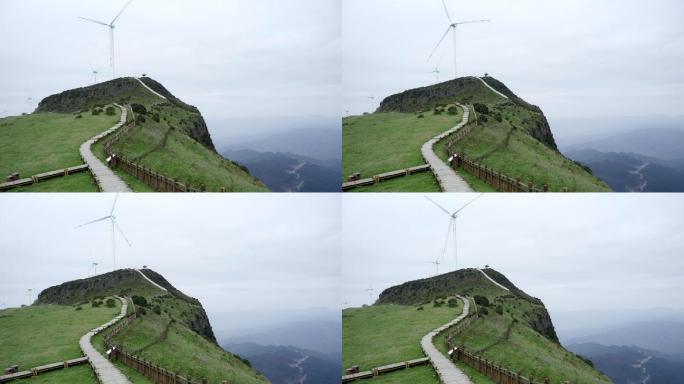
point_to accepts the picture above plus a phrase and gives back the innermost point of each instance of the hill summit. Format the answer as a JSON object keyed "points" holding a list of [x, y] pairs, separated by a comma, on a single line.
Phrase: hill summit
{"points": [[170, 329]]}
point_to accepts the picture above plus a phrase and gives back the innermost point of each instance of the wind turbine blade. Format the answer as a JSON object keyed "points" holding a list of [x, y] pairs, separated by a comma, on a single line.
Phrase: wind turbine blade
{"points": [[94, 21], [460, 209], [94, 221], [439, 206], [114, 205], [116, 224], [120, 12], [446, 10], [440, 42], [473, 21]]}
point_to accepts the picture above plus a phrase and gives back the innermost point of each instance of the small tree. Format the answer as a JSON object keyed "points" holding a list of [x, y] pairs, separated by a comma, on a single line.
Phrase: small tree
{"points": [[481, 108], [110, 111], [481, 300], [111, 303], [139, 301], [139, 108]]}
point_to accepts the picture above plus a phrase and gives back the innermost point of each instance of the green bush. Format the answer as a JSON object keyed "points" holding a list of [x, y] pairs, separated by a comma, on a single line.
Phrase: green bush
{"points": [[419, 308], [481, 108], [498, 117], [157, 310], [111, 303], [452, 110], [79, 116], [78, 309], [452, 303], [142, 311], [95, 111], [139, 108], [499, 310], [139, 301], [421, 116], [96, 303], [483, 311], [155, 117], [481, 300], [140, 118], [110, 111]]}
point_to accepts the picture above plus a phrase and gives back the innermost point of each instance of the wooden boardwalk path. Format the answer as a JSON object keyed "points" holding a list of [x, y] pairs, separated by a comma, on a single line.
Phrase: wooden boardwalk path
{"points": [[106, 372], [492, 280], [490, 87], [150, 89], [105, 177], [445, 175], [150, 280], [446, 370]]}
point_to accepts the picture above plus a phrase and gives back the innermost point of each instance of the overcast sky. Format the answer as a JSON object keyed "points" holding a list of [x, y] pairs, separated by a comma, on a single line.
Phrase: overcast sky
{"points": [[234, 252], [232, 59], [573, 58], [576, 252]]}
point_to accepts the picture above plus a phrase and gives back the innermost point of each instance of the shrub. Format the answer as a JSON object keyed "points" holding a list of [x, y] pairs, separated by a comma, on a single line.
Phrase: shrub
{"points": [[419, 308], [157, 310], [139, 301], [437, 303], [452, 110], [483, 311], [140, 118], [79, 116], [452, 303], [142, 311], [95, 111], [96, 303], [110, 111], [155, 117], [497, 117], [481, 108], [483, 118], [437, 111], [111, 303], [481, 301], [499, 310], [421, 116], [78, 308], [139, 108]]}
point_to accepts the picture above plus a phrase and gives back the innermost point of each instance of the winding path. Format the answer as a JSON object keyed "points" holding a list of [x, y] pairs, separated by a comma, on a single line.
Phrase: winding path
{"points": [[105, 177], [104, 369], [149, 89], [150, 280], [445, 175], [446, 370], [491, 88], [492, 280]]}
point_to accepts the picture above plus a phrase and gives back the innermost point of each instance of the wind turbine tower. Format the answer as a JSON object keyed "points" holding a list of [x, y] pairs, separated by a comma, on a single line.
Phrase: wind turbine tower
{"points": [[111, 26], [114, 226], [451, 232], [452, 28], [29, 292], [436, 72], [370, 294]]}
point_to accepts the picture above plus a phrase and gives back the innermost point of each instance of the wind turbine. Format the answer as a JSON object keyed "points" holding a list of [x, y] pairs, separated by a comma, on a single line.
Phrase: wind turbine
{"points": [[93, 269], [29, 292], [436, 72], [115, 227], [452, 27], [370, 294], [436, 263], [111, 35], [452, 227], [29, 101]]}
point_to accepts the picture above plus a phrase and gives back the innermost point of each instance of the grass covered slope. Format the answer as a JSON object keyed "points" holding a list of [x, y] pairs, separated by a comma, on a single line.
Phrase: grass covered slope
{"points": [[43, 334], [170, 136], [513, 328], [171, 329], [42, 142], [512, 135], [378, 335]]}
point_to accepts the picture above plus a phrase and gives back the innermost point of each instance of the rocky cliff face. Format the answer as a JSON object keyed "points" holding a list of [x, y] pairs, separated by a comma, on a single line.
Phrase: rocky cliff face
{"points": [[121, 282], [124, 91]]}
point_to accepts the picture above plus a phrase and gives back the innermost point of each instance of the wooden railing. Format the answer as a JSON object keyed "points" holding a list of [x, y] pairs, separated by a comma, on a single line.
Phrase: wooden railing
{"points": [[154, 372]]}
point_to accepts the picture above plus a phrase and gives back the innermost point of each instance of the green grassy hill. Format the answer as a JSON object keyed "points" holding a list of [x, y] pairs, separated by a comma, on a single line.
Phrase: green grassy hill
{"points": [[512, 136], [513, 328], [171, 329], [169, 137]]}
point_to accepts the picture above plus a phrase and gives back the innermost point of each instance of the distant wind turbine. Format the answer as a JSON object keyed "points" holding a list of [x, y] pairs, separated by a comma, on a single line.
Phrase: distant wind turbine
{"points": [[370, 294], [436, 263], [452, 227], [29, 292], [29, 101], [436, 72], [111, 35], [452, 27], [115, 227], [93, 268]]}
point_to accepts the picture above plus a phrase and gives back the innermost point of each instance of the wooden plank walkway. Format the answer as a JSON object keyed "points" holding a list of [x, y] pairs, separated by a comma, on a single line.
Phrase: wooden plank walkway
{"points": [[445, 175], [385, 369], [106, 372], [446, 370], [385, 176], [105, 177], [43, 176]]}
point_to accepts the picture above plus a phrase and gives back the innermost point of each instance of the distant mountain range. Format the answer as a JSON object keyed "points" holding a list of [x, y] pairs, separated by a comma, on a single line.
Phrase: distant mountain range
{"points": [[287, 364], [632, 365], [636, 160], [288, 172], [306, 352]]}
